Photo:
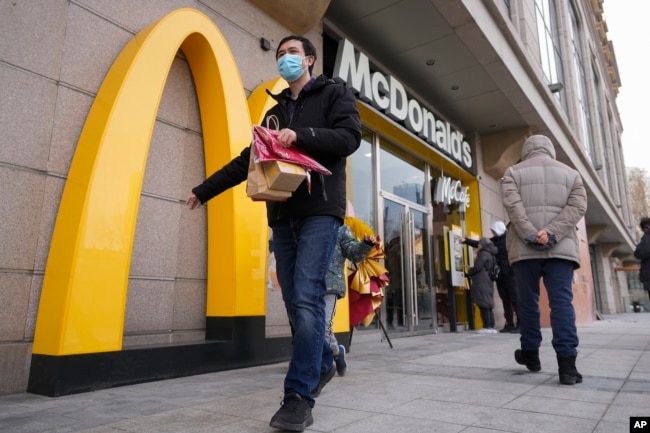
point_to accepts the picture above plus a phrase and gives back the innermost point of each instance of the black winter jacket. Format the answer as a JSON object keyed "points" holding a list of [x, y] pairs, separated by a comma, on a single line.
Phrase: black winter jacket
{"points": [[328, 128], [642, 252], [502, 255]]}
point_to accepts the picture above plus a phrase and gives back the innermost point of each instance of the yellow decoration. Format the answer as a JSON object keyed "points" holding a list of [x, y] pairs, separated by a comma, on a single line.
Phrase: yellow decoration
{"points": [[369, 271], [361, 279], [358, 227]]}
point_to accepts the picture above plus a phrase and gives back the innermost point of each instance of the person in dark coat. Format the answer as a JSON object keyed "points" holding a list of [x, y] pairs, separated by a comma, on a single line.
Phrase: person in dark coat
{"points": [[506, 283], [320, 117], [642, 252], [482, 285]]}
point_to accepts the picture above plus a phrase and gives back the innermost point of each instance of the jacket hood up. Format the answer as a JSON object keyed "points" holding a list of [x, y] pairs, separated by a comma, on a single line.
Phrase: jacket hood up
{"points": [[537, 145], [487, 245]]}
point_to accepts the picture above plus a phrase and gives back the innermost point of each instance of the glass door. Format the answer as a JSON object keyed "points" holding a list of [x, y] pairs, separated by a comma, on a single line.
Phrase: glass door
{"points": [[408, 304]]}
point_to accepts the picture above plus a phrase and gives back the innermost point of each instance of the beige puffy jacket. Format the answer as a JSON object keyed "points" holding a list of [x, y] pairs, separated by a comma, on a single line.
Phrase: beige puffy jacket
{"points": [[542, 193]]}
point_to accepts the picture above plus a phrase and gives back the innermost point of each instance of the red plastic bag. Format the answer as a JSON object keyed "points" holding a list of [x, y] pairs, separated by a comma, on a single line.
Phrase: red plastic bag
{"points": [[268, 148]]}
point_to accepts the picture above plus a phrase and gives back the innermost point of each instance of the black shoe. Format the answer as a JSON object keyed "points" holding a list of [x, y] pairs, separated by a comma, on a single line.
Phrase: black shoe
{"points": [[514, 330], [324, 379], [508, 328], [293, 415], [567, 370], [529, 358], [339, 360]]}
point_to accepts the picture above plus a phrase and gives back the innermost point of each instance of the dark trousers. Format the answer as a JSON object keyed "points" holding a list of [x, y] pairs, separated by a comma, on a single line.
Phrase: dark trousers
{"points": [[557, 275], [507, 288], [487, 316]]}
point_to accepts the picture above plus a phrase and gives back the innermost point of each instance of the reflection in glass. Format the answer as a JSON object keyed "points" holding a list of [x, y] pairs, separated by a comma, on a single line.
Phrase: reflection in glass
{"points": [[394, 296], [401, 174], [422, 287], [360, 181]]}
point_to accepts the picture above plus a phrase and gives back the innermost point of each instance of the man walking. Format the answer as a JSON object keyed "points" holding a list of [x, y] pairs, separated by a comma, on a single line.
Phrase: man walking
{"points": [[544, 200], [320, 117]]}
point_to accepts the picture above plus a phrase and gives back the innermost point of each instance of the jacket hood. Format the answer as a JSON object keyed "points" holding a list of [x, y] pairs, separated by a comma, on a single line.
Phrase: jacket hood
{"points": [[537, 145], [498, 228], [487, 245]]}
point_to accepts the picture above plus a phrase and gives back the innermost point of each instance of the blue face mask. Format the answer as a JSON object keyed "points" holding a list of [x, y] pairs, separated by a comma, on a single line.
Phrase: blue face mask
{"points": [[290, 67]]}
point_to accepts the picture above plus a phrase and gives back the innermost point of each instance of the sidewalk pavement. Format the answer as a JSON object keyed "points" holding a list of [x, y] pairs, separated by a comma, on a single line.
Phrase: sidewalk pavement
{"points": [[447, 382]]}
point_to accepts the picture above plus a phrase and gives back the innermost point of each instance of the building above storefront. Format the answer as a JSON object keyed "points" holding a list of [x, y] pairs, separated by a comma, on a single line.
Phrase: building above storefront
{"points": [[469, 63]]}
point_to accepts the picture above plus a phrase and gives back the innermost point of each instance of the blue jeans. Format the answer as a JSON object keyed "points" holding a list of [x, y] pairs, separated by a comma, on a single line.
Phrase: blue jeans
{"points": [[557, 275], [303, 249]]}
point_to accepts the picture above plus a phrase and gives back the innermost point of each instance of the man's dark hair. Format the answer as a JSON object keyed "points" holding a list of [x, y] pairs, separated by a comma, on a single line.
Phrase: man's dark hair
{"points": [[645, 223], [307, 46]]}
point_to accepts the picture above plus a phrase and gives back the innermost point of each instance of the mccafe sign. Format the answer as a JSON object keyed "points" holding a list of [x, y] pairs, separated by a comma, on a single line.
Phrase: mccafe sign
{"points": [[388, 95], [450, 191]]}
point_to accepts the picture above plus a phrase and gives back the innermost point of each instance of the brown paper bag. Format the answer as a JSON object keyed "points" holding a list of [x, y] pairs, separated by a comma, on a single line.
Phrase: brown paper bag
{"points": [[257, 187], [283, 175]]}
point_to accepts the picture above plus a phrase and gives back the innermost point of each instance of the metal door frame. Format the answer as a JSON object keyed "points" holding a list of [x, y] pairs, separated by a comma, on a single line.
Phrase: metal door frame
{"points": [[407, 232]]}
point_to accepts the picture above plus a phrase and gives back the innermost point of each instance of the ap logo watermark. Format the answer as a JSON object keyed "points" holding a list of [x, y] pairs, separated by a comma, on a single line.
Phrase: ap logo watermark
{"points": [[639, 424]]}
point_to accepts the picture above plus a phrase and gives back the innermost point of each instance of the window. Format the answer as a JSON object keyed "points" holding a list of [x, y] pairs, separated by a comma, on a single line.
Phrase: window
{"points": [[582, 101], [605, 152], [360, 182], [401, 174], [506, 3], [549, 46]]}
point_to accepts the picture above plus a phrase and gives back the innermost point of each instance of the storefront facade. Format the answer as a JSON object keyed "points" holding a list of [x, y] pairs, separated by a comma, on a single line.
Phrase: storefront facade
{"points": [[130, 107], [419, 182]]}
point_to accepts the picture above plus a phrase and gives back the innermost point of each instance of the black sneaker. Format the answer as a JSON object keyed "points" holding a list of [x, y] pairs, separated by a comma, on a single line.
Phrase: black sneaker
{"points": [[324, 379], [339, 360], [293, 415]]}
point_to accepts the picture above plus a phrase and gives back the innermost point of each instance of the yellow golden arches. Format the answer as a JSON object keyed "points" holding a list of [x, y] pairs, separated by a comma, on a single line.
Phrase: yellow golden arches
{"points": [[259, 101], [85, 283]]}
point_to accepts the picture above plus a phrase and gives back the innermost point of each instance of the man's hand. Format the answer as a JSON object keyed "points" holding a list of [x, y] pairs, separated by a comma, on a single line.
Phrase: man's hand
{"points": [[193, 201], [541, 241], [287, 137], [542, 237]]}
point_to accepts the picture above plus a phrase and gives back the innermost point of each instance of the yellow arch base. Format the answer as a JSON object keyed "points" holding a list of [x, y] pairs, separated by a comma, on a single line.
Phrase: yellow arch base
{"points": [[84, 289]]}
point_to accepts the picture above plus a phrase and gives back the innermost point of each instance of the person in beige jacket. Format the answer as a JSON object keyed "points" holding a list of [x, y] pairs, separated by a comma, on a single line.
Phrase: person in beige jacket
{"points": [[544, 200]]}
